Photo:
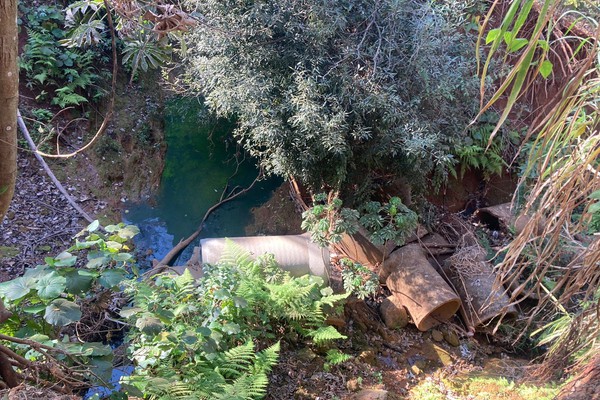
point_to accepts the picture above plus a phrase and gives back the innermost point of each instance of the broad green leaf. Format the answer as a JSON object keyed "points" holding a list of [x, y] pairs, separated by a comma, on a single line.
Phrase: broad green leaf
{"points": [[78, 281], [111, 228], [102, 367], [87, 349], [517, 44], [93, 226], [62, 312], [65, 259], [129, 231], [15, 289], [149, 325], [32, 275], [127, 312], [595, 195], [113, 246], [51, 286], [492, 35], [111, 277], [546, 69], [231, 328], [122, 257], [34, 309], [85, 245], [221, 294], [96, 262]]}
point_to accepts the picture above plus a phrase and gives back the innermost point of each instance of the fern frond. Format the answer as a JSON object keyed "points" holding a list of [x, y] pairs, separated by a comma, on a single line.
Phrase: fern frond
{"points": [[245, 387], [333, 298], [266, 359], [236, 360], [234, 254], [335, 357], [325, 334]]}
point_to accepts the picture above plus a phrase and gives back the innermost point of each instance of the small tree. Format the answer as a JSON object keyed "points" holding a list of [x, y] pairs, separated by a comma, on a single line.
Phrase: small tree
{"points": [[9, 96], [329, 91]]}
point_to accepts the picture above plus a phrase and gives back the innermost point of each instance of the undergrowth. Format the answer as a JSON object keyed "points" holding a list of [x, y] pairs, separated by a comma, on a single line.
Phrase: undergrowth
{"points": [[198, 339]]}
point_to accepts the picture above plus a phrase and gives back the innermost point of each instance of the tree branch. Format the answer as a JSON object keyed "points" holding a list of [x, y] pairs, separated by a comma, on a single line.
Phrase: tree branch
{"points": [[184, 243], [48, 170]]}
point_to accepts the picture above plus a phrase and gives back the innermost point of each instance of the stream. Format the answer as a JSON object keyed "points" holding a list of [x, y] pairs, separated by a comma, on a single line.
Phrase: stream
{"points": [[201, 159]]}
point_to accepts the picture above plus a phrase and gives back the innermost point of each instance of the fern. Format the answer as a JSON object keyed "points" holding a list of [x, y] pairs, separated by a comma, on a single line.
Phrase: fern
{"points": [[234, 254], [335, 357], [325, 334], [202, 323]]}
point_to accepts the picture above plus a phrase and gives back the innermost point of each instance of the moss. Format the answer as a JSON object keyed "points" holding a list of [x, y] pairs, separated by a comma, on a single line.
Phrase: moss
{"points": [[481, 388]]}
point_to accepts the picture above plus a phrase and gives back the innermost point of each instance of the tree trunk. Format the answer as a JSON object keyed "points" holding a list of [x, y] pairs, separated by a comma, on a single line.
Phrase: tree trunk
{"points": [[9, 97]]}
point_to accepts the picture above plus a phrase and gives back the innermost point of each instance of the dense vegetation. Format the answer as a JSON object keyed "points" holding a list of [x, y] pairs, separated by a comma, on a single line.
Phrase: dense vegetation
{"points": [[343, 96], [337, 93]]}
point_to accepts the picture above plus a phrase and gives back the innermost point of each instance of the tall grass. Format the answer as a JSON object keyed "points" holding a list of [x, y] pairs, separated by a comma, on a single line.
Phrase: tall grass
{"points": [[554, 259]]}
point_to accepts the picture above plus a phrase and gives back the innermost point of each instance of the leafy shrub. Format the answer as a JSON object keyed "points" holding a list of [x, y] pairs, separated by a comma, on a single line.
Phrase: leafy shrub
{"points": [[194, 339], [326, 220], [46, 299], [330, 92], [69, 74], [479, 153], [358, 279]]}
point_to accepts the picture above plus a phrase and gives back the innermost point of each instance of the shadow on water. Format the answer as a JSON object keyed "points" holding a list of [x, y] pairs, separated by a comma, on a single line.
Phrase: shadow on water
{"points": [[201, 158]]}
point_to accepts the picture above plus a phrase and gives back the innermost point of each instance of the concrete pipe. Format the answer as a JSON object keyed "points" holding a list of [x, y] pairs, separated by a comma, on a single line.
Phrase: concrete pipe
{"points": [[474, 280], [418, 286], [293, 253], [501, 216], [359, 249]]}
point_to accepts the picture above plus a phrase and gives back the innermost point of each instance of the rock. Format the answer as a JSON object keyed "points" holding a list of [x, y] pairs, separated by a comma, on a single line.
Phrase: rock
{"points": [[437, 335], [353, 385], [305, 355], [415, 369], [436, 354], [452, 338], [368, 357], [370, 394], [393, 313]]}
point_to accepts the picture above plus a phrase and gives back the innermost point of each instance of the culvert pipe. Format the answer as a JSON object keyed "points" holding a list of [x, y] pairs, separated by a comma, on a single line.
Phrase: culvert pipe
{"points": [[293, 253], [417, 285]]}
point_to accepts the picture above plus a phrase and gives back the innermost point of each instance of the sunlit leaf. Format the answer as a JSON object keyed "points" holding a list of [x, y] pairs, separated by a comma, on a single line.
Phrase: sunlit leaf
{"points": [[546, 69], [51, 285], [14, 289], [62, 312]]}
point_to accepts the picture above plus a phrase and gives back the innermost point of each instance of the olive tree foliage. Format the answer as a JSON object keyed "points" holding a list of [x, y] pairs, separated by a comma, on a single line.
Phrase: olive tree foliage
{"points": [[335, 92]]}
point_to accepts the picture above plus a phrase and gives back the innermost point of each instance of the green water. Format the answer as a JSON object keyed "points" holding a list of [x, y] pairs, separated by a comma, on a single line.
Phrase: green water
{"points": [[200, 161]]}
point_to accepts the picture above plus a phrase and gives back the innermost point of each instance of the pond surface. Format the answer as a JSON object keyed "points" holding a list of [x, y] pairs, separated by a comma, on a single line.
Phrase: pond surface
{"points": [[201, 159]]}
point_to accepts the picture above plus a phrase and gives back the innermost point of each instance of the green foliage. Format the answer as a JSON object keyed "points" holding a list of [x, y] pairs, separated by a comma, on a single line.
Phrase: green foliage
{"points": [[327, 221], [594, 211], [482, 152], [389, 221], [142, 47], [143, 51], [53, 290], [358, 279], [47, 298], [329, 92], [186, 334], [335, 357], [69, 75]]}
